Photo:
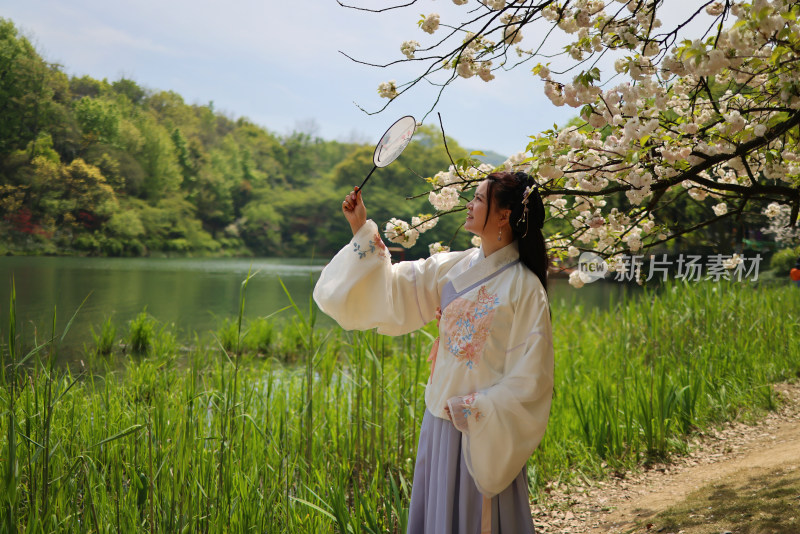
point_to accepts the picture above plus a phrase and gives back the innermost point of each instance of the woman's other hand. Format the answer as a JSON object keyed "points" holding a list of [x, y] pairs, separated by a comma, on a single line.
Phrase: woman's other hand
{"points": [[354, 210]]}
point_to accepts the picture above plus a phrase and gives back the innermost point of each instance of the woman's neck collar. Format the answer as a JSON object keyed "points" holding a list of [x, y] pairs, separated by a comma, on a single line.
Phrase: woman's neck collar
{"points": [[497, 247], [490, 247]]}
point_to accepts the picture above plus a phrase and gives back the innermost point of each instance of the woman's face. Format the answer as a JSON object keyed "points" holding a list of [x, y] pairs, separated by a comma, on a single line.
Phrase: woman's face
{"points": [[477, 208]]}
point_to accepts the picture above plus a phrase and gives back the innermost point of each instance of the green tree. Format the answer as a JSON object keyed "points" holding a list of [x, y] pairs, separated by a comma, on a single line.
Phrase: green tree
{"points": [[261, 228], [27, 87], [130, 89], [158, 159], [99, 120]]}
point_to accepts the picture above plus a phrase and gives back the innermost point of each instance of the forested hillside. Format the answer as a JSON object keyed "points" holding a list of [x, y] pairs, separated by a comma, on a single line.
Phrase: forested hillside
{"points": [[94, 167]]}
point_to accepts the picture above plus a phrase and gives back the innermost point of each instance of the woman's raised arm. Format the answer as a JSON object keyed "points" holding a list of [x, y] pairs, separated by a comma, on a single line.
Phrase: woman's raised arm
{"points": [[361, 289]]}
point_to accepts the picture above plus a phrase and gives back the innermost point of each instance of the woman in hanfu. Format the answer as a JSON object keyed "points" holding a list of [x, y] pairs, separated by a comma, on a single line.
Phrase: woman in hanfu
{"points": [[491, 383]]}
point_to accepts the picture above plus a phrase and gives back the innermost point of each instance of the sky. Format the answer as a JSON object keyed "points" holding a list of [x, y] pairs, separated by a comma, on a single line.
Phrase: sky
{"points": [[279, 63]]}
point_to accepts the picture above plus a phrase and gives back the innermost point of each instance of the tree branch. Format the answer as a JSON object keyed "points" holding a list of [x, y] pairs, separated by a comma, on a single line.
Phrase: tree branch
{"points": [[381, 10]]}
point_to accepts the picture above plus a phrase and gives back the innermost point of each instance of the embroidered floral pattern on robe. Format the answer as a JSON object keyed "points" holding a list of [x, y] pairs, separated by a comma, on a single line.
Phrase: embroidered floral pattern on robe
{"points": [[467, 324], [375, 243], [469, 409]]}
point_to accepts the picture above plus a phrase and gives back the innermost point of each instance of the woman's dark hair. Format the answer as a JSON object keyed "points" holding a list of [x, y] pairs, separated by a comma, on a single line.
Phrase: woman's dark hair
{"points": [[508, 190]]}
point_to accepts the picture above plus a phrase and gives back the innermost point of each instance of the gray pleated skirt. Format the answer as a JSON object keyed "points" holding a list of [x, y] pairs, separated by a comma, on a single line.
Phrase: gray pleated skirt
{"points": [[444, 497]]}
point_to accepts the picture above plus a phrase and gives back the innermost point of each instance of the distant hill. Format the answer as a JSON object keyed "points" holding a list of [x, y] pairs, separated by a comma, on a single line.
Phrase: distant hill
{"points": [[492, 158], [109, 168]]}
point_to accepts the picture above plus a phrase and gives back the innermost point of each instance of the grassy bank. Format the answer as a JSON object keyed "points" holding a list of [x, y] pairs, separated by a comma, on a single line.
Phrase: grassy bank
{"points": [[230, 438]]}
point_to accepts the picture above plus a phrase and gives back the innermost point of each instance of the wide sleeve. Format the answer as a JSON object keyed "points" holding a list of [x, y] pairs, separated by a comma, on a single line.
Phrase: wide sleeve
{"points": [[361, 289], [503, 424]]}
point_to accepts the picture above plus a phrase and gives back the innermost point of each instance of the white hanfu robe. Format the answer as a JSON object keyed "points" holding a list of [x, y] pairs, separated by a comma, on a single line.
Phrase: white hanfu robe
{"points": [[493, 365]]}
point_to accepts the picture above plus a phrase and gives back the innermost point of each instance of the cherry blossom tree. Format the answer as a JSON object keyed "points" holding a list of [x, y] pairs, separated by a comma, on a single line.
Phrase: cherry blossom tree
{"points": [[664, 119]]}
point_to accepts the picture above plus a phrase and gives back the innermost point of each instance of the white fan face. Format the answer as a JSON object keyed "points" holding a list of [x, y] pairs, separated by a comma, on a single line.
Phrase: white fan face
{"points": [[394, 141]]}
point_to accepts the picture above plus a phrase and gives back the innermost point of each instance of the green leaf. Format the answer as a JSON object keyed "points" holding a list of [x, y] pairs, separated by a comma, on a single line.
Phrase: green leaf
{"points": [[129, 430], [314, 506], [69, 323]]}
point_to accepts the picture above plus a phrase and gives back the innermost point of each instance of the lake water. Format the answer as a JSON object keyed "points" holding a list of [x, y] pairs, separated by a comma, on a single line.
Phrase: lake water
{"points": [[193, 294]]}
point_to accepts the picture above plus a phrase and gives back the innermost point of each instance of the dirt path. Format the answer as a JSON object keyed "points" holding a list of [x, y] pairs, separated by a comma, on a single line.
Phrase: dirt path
{"points": [[745, 478]]}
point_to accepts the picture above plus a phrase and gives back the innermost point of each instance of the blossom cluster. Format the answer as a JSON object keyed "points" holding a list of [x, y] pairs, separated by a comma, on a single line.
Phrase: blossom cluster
{"points": [[430, 23], [400, 232], [467, 64], [780, 225], [435, 248], [408, 48], [388, 89]]}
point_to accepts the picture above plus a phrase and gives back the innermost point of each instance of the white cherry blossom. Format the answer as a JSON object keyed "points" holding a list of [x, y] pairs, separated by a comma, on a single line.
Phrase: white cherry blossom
{"points": [[431, 23]]}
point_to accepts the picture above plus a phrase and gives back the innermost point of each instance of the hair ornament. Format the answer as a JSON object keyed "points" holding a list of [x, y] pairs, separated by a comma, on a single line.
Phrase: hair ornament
{"points": [[538, 206]]}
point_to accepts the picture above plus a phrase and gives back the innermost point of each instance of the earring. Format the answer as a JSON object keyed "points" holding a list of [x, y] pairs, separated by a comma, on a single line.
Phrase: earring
{"points": [[500, 235]]}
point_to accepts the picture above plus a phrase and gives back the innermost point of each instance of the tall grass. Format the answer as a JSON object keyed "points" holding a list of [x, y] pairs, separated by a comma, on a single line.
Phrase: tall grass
{"points": [[142, 333], [633, 381], [271, 428], [104, 339]]}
